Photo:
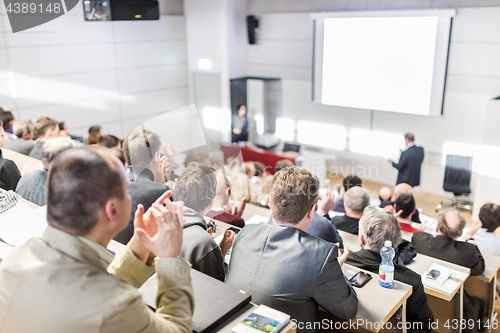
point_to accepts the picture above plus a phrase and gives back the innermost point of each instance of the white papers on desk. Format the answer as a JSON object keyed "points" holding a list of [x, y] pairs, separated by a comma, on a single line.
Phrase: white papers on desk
{"points": [[257, 219], [21, 223], [448, 280]]}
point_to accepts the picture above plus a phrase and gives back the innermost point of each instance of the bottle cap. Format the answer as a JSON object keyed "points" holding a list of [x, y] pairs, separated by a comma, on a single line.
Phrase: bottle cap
{"points": [[388, 243]]}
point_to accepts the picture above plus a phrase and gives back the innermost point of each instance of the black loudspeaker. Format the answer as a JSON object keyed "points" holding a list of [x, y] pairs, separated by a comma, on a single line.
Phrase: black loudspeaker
{"points": [[131, 10], [252, 24]]}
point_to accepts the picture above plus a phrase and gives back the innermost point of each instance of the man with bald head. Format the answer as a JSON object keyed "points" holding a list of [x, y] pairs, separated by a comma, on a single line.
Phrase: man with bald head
{"points": [[445, 246], [398, 190]]}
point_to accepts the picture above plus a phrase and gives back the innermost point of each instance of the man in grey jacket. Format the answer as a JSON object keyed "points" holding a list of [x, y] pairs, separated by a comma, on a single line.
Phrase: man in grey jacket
{"points": [[33, 185], [196, 187], [285, 268], [21, 141]]}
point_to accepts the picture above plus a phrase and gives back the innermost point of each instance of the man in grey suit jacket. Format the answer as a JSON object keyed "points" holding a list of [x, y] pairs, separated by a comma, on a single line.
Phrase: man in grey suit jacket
{"points": [[33, 185], [21, 141], [283, 267]]}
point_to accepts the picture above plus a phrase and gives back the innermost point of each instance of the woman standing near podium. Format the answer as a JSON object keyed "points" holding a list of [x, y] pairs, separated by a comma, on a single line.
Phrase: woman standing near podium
{"points": [[239, 124]]}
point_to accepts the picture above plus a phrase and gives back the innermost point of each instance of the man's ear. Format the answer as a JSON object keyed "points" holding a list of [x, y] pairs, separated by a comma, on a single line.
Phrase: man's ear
{"points": [[26, 136], [111, 212], [361, 240], [311, 211], [156, 157]]}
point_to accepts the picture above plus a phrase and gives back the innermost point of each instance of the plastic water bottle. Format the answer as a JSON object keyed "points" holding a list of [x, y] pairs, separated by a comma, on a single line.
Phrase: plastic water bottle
{"points": [[386, 269]]}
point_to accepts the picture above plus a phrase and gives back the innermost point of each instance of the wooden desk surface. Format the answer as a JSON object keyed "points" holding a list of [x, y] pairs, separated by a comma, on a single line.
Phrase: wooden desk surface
{"points": [[21, 160], [370, 307], [422, 263], [251, 210]]}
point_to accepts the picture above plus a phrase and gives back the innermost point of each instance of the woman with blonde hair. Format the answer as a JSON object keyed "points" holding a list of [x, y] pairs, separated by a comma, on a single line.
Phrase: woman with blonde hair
{"points": [[240, 187]]}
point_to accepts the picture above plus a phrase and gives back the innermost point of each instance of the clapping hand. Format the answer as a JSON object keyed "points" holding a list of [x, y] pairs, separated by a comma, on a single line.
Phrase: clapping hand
{"points": [[328, 204], [342, 257], [167, 241], [227, 242]]}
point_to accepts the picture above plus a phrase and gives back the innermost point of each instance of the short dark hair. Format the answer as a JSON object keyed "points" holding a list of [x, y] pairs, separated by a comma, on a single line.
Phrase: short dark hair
{"points": [[43, 124], [294, 192], [281, 164], [140, 146], [79, 183], [196, 186], [119, 153], [95, 129], [61, 126], [410, 137], [6, 118], [238, 107], [489, 214], [406, 203], [109, 141], [351, 181], [94, 134], [259, 169]]}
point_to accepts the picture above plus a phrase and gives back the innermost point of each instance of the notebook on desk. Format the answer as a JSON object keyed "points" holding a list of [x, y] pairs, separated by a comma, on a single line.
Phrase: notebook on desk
{"points": [[214, 300]]}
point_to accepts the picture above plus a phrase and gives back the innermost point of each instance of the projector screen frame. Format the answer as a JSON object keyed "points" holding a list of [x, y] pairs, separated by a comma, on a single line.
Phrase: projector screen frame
{"points": [[443, 40]]}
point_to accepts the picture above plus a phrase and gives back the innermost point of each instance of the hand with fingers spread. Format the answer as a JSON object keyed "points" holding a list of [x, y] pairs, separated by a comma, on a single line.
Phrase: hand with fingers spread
{"points": [[474, 229], [167, 241], [227, 241], [328, 204]]}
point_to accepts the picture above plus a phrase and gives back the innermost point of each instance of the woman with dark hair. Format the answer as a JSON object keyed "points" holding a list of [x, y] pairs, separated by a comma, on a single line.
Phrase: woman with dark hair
{"points": [[8, 121], [239, 125], [482, 231]]}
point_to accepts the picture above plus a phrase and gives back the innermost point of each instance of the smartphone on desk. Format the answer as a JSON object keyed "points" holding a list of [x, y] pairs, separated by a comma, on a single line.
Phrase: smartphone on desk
{"points": [[360, 279]]}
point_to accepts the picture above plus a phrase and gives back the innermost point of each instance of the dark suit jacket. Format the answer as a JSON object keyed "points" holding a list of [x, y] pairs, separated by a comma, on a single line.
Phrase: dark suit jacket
{"points": [[321, 227], [346, 223], [200, 248], [409, 166], [445, 248], [143, 190], [9, 174], [460, 253], [292, 271], [417, 310]]}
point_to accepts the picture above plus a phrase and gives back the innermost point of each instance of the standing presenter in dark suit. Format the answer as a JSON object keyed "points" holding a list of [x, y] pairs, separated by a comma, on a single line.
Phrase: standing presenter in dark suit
{"points": [[410, 162]]}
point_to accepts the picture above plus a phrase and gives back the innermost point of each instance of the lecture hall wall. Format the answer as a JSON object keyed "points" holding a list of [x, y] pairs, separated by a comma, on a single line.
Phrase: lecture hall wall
{"points": [[116, 74], [284, 49]]}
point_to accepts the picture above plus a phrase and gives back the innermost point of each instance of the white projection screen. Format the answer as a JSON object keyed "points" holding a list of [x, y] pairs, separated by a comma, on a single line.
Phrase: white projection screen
{"points": [[385, 61]]}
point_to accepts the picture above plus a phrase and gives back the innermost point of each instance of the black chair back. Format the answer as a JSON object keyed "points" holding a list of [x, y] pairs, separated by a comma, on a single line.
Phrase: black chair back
{"points": [[457, 174]]}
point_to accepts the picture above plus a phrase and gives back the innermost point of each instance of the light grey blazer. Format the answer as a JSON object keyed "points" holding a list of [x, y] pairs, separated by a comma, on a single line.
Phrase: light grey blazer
{"points": [[292, 271]]}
